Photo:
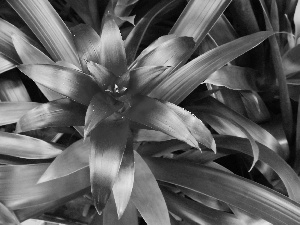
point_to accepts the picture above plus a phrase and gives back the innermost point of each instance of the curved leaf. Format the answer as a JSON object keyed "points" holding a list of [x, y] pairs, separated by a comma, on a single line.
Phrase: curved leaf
{"points": [[27, 147], [124, 182], [150, 135], [72, 159], [87, 43], [284, 171], [100, 108], [108, 140], [196, 212], [159, 116], [11, 112], [69, 82], [46, 24], [234, 77], [259, 134], [184, 80], [60, 113], [7, 217], [19, 188], [290, 60], [134, 38], [195, 126], [239, 192], [112, 51], [169, 53], [146, 195]]}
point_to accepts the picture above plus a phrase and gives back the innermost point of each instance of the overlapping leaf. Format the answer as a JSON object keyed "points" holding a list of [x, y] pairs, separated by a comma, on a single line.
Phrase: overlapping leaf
{"points": [[46, 24], [147, 196], [134, 38], [11, 112], [27, 147], [72, 159], [87, 43], [68, 82], [195, 212], [32, 194], [183, 81], [100, 108], [112, 51], [60, 113], [7, 217], [234, 190], [159, 116], [5, 64], [108, 141]]}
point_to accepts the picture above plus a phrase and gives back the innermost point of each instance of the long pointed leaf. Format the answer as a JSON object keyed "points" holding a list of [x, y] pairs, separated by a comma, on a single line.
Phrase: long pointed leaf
{"points": [[134, 38], [72, 159], [124, 182], [30, 193], [46, 24], [60, 113], [195, 126], [112, 51], [183, 81], [11, 112], [108, 141], [147, 196], [27, 147], [237, 191], [68, 82], [5, 64], [160, 117]]}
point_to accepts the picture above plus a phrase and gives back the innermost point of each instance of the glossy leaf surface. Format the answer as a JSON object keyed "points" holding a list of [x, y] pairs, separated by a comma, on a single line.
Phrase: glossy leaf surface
{"points": [[147, 196], [195, 126], [68, 82], [234, 190], [27, 147], [46, 24], [11, 112], [31, 194], [112, 51], [72, 159], [124, 182], [59, 113], [108, 141], [183, 81], [159, 116]]}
